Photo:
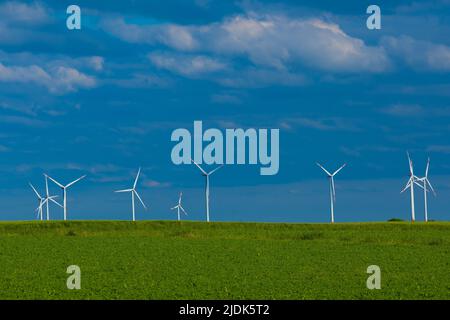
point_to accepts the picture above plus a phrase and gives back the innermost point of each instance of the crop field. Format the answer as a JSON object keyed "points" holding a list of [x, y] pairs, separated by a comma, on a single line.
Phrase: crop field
{"points": [[194, 260]]}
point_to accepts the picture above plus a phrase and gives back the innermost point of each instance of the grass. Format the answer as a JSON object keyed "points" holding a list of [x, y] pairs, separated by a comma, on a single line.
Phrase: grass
{"points": [[192, 260]]}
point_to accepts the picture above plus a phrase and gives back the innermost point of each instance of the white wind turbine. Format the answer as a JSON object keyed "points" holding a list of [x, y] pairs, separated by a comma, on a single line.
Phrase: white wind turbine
{"points": [[206, 175], [179, 207], [64, 189], [43, 201], [410, 184], [425, 184], [332, 187], [134, 193]]}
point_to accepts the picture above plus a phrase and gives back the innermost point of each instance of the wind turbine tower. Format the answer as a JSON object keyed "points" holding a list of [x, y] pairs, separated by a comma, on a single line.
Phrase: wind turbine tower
{"points": [[179, 207], [64, 189], [425, 184], [410, 184], [332, 187], [206, 175], [133, 194], [43, 201]]}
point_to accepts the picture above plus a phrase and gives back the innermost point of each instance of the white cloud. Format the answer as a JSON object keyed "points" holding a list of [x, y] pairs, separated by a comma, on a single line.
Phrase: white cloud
{"points": [[172, 35], [420, 55], [186, 65], [23, 13], [280, 41], [69, 80], [19, 21], [58, 80], [31, 73], [96, 63], [156, 184], [201, 67], [274, 41]]}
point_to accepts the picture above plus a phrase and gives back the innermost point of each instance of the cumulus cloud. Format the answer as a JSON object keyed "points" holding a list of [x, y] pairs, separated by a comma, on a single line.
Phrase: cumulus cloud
{"points": [[19, 20], [69, 80], [280, 41], [172, 35], [23, 13], [58, 80], [95, 63], [420, 55], [274, 41]]}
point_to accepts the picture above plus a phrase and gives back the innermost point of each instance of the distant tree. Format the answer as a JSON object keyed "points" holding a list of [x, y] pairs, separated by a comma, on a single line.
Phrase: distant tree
{"points": [[395, 220]]}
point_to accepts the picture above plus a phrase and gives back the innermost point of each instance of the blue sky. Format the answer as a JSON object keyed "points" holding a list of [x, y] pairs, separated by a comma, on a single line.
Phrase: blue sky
{"points": [[104, 100]]}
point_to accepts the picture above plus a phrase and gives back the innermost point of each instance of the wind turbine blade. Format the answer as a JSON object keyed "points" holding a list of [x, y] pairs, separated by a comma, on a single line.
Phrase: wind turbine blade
{"points": [[342, 167], [431, 187], [184, 211], [427, 169], [211, 172], [75, 181], [124, 190], [326, 171], [407, 186], [56, 182], [173, 208], [136, 180], [35, 191], [198, 166], [418, 184], [411, 170], [55, 202], [44, 201], [137, 195]]}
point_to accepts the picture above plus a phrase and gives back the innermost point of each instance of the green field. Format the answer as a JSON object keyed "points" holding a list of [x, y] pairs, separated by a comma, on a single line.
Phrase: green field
{"points": [[193, 260]]}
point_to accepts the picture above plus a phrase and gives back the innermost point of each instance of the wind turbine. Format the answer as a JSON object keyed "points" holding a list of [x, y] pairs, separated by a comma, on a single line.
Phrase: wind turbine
{"points": [[134, 193], [332, 187], [410, 184], [206, 175], [425, 184], [179, 207], [43, 201], [64, 189]]}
